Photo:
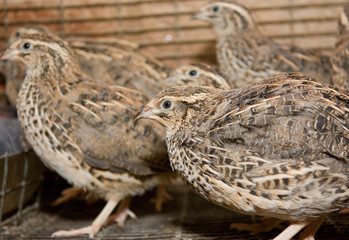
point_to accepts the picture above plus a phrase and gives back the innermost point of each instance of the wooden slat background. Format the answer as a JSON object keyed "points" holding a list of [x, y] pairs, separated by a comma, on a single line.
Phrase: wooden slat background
{"points": [[164, 28]]}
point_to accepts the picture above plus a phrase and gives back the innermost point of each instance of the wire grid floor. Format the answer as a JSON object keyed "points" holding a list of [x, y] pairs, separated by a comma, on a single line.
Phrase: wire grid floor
{"points": [[186, 216]]}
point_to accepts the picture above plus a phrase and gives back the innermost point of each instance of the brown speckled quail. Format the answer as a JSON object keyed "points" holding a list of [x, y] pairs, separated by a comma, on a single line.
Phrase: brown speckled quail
{"points": [[107, 60], [246, 56], [278, 149], [340, 56], [198, 74], [84, 130]]}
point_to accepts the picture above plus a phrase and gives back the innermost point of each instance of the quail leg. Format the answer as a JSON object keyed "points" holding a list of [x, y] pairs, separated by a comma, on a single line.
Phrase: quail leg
{"points": [[122, 212], [309, 232], [344, 211], [67, 195], [266, 225], [71, 193], [161, 196], [94, 227], [291, 230]]}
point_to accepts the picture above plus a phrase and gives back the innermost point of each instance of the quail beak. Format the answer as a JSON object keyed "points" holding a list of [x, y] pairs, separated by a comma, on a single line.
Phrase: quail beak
{"points": [[202, 14], [199, 16], [9, 54], [145, 113]]}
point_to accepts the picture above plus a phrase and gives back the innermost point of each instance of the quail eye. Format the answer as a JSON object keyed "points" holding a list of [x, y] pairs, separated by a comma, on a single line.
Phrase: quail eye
{"points": [[18, 34], [166, 104], [215, 9], [26, 45], [193, 73]]}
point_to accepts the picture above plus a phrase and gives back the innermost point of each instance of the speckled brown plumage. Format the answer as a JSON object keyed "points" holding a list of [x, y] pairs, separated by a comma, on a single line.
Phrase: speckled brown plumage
{"points": [[277, 149], [340, 56], [112, 60], [246, 56], [197, 74], [119, 66], [84, 130]]}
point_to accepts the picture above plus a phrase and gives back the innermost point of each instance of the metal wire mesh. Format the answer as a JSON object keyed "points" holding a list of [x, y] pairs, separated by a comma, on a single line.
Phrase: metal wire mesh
{"points": [[186, 216], [20, 178]]}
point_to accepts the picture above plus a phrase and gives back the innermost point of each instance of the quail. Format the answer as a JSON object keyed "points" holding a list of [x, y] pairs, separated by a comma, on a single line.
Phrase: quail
{"points": [[84, 130], [340, 56], [198, 74], [277, 149], [105, 60], [246, 56]]}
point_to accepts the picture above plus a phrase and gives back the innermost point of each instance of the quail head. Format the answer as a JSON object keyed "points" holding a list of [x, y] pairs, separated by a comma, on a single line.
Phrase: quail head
{"points": [[15, 71], [277, 149], [84, 130], [198, 74], [246, 56], [340, 56]]}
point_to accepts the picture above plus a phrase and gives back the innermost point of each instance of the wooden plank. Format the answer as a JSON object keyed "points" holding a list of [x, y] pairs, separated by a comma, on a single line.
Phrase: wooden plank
{"points": [[24, 4], [30, 16], [313, 28], [90, 13], [183, 49], [282, 4]]}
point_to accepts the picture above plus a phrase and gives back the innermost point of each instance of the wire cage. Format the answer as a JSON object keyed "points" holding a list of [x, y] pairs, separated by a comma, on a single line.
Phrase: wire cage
{"points": [[163, 29], [20, 174], [19, 194]]}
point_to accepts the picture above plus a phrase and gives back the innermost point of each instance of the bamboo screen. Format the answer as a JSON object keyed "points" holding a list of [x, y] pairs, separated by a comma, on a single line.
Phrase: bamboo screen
{"points": [[164, 28]]}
